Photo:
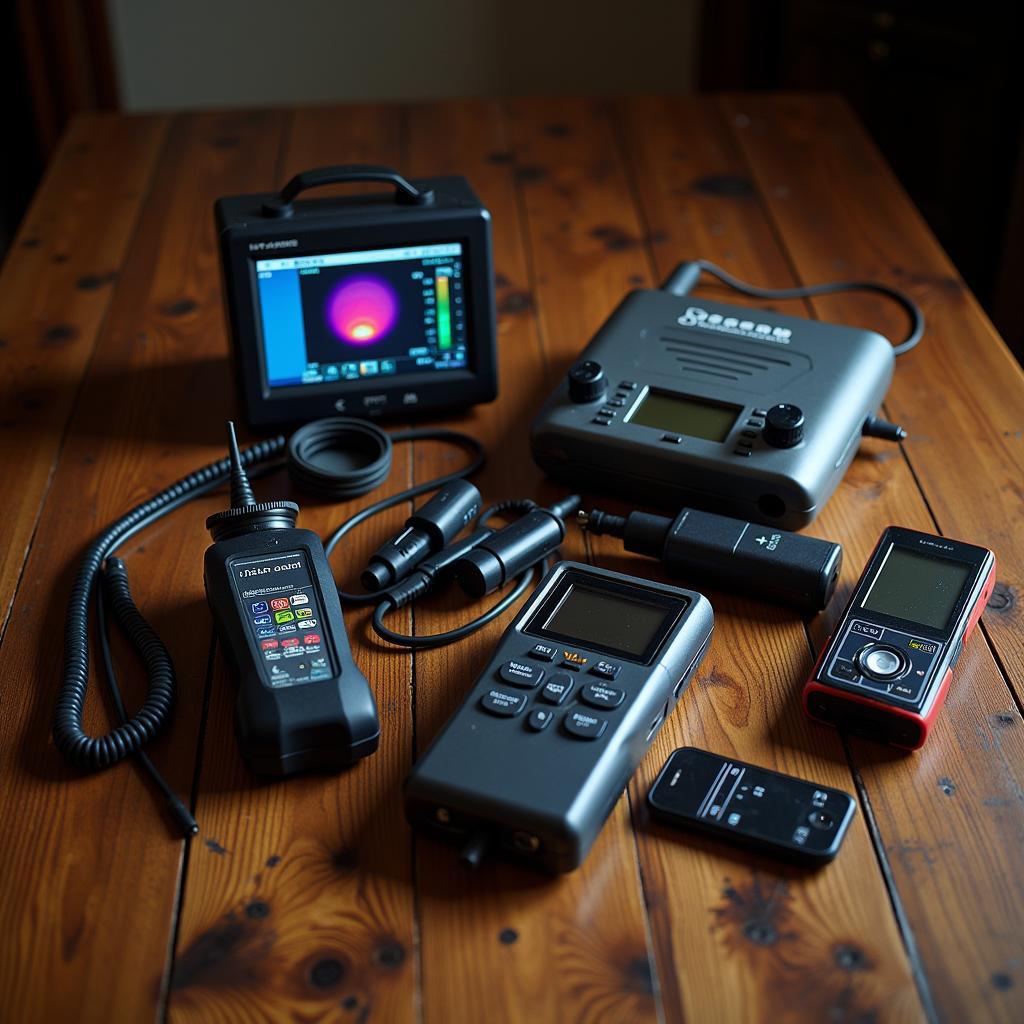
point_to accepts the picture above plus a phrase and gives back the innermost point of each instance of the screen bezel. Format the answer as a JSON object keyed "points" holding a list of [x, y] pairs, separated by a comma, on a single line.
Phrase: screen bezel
{"points": [[934, 548], [673, 606], [342, 386]]}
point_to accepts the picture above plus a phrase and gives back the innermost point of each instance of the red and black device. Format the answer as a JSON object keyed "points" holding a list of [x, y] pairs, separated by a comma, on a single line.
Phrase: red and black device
{"points": [[885, 670]]}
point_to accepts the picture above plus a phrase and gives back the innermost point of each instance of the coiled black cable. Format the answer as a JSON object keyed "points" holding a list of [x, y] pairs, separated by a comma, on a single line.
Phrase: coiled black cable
{"points": [[94, 752]]}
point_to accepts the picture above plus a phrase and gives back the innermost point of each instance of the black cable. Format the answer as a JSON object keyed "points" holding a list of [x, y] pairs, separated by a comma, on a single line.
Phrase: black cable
{"points": [[177, 807], [422, 642], [414, 434], [451, 635], [127, 738], [683, 279]]}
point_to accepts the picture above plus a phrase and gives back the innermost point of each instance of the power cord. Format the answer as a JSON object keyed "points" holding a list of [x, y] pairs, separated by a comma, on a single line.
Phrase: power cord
{"points": [[684, 279]]}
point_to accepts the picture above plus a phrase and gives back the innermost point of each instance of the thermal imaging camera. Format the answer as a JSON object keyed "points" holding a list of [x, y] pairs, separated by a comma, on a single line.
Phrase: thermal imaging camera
{"points": [[885, 671], [367, 305]]}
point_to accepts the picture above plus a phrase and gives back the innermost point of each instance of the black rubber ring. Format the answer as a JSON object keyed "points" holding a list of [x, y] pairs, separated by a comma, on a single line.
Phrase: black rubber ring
{"points": [[340, 457]]}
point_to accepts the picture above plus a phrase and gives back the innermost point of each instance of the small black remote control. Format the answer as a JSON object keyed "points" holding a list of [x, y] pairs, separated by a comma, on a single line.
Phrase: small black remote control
{"points": [[745, 804], [539, 753]]}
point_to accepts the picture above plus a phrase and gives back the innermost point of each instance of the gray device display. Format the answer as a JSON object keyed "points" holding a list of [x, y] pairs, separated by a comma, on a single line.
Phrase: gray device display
{"points": [[534, 760], [684, 401]]}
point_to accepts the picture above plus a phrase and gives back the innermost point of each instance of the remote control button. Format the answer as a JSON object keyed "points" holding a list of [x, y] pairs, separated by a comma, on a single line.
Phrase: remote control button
{"points": [[754, 423], [881, 662], [259, 607], [617, 403], [574, 661], [502, 703], [760, 412], [606, 670], [748, 433], [540, 718], [601, 421], [519, 673], [822, 820], [845, 670], [300, 599], [742, 451], [557, 688], [600, 695], [543, 653], [672, 438], [628, 385], [262, 620], [584, 726]]}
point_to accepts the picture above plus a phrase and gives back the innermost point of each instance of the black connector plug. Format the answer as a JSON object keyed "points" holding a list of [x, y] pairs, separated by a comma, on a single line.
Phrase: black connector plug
{"points": [[427, 530], [512, 550], [751, 559], [875, 426]]}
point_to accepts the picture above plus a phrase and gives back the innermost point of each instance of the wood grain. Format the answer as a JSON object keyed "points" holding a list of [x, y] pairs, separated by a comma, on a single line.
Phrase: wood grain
{"points": [[784, 940], [966, 443], [96, 863], [975, 758], [310, 899], [588, 929], [57, 286], [304, 903]]}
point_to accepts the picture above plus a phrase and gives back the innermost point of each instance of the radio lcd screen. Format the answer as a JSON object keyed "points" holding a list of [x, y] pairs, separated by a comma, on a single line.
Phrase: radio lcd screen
{"points": [[683, 414], [918, 588], [347, 316], [613, 618]]}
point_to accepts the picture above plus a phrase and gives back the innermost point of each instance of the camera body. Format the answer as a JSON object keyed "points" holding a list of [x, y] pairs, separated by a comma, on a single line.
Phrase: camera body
{"points": [[367, 305]]}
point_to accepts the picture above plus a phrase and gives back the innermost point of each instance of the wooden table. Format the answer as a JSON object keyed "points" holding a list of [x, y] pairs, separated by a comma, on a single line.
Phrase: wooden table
{"points": [[310, 899]]}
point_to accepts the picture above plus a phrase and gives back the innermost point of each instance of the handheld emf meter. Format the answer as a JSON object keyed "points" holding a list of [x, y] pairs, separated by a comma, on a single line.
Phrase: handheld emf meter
{"points": [[885, 671], [536, 757]]}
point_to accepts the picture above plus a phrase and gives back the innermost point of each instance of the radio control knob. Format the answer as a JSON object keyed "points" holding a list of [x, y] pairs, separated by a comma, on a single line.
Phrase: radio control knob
{"points": [[587, 382], [784, 426]]}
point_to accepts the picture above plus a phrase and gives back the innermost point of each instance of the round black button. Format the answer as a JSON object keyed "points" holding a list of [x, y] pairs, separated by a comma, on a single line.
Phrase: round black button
{"points": [[784, 426], [880, 661], [821, 819], [587, 382]]}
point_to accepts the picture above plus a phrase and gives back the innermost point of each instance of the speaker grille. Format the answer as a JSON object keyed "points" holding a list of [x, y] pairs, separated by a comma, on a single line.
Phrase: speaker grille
{"points": [[750, 366]]}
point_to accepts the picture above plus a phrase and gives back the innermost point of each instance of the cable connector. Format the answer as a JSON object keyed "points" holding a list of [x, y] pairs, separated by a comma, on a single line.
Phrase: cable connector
{"points": [[875, 426]]}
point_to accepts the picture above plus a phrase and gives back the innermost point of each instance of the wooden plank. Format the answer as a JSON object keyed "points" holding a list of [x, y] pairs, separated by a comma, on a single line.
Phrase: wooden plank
{"points": [[568, 949], [92, 869], [304, 903], [951, 816], [785, 943], [57, 284], [961, 391]]}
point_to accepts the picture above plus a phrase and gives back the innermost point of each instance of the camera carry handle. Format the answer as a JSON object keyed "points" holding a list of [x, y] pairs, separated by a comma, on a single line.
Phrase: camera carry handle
{"points": [[405, 192]]}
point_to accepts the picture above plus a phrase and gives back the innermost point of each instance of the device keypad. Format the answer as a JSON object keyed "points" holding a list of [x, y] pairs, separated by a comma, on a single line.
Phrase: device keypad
{"points": [[502, 703], [521, 674], [600, 695], [540, 718], [857, 661], [606, 669], [557, 688], [584, 726], [543, 652]]}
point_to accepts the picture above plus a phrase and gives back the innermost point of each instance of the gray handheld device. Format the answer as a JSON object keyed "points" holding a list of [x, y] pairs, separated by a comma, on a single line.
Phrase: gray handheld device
{"points": [[534, 760], [684, 401]]}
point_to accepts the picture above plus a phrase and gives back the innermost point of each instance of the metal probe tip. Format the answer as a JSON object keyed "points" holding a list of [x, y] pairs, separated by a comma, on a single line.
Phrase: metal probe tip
{"points": [[583, 519]]}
